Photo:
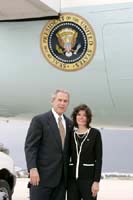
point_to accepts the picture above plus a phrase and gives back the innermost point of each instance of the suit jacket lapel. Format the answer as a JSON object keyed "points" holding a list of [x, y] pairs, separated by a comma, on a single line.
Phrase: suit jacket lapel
{"points": [[54, 128], [68, 127], [68, 124]]}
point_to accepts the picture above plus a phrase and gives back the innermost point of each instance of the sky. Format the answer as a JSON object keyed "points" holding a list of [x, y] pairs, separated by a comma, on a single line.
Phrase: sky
{"points": [[117, 146], [68, 3]]}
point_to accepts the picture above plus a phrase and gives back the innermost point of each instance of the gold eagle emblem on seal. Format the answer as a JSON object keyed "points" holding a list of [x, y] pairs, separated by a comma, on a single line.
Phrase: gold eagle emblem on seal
{"points": [[68, 43]]}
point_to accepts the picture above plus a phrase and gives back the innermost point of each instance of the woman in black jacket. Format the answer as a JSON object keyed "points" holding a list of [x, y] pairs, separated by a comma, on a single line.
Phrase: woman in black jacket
{"points": [[86, 157]]}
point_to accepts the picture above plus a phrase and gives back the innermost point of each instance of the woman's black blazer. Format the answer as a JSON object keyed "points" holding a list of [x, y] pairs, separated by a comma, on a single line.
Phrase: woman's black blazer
{"points": [[90, 160]]}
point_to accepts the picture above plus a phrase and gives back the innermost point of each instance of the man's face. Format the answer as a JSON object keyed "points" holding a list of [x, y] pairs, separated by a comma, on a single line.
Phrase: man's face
{"points": [[60, 103]]}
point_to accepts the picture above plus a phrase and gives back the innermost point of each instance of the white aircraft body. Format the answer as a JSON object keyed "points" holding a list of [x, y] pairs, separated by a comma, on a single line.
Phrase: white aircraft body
{"points": [[28, 78]]}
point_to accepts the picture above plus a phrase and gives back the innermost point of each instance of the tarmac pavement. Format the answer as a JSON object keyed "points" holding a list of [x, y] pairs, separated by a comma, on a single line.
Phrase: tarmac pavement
{"points": [[110, 189]]}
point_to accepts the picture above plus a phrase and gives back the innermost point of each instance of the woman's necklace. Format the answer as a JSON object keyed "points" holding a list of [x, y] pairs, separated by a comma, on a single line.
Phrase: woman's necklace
{"points": [[81, 134]]}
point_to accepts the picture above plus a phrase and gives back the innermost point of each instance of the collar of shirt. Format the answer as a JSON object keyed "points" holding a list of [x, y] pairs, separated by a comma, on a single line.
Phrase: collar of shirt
{"points": [[56, 116]]}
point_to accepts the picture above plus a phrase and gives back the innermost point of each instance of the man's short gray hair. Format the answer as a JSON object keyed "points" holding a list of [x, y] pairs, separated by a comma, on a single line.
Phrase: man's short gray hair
{"points": [[60, 90]]}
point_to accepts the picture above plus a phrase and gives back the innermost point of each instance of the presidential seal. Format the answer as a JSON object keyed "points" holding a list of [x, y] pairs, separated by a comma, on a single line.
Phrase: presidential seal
{"points": [[68, 43]]}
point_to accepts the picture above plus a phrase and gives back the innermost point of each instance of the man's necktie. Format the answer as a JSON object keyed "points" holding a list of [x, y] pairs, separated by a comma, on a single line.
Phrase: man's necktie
{"points": [[62, 130]]}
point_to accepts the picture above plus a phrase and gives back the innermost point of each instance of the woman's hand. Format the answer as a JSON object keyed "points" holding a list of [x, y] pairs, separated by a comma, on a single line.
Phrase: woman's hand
{"points": [[95, 188]]}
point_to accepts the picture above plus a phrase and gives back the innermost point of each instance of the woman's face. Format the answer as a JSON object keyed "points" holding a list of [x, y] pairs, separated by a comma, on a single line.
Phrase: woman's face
{"points": [[81, 118]]}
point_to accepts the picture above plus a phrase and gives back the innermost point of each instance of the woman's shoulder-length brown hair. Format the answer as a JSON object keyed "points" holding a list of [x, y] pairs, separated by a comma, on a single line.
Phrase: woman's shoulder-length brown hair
{"points": [[87, 111]]}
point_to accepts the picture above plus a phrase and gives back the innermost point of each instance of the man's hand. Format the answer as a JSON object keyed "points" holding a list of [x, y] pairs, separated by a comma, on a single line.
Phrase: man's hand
{"points": [[34, 177], [95, 189]]}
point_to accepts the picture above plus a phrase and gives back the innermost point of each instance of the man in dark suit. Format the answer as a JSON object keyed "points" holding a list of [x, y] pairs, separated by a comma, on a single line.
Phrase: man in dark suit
{"points": [[46, 150]]}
